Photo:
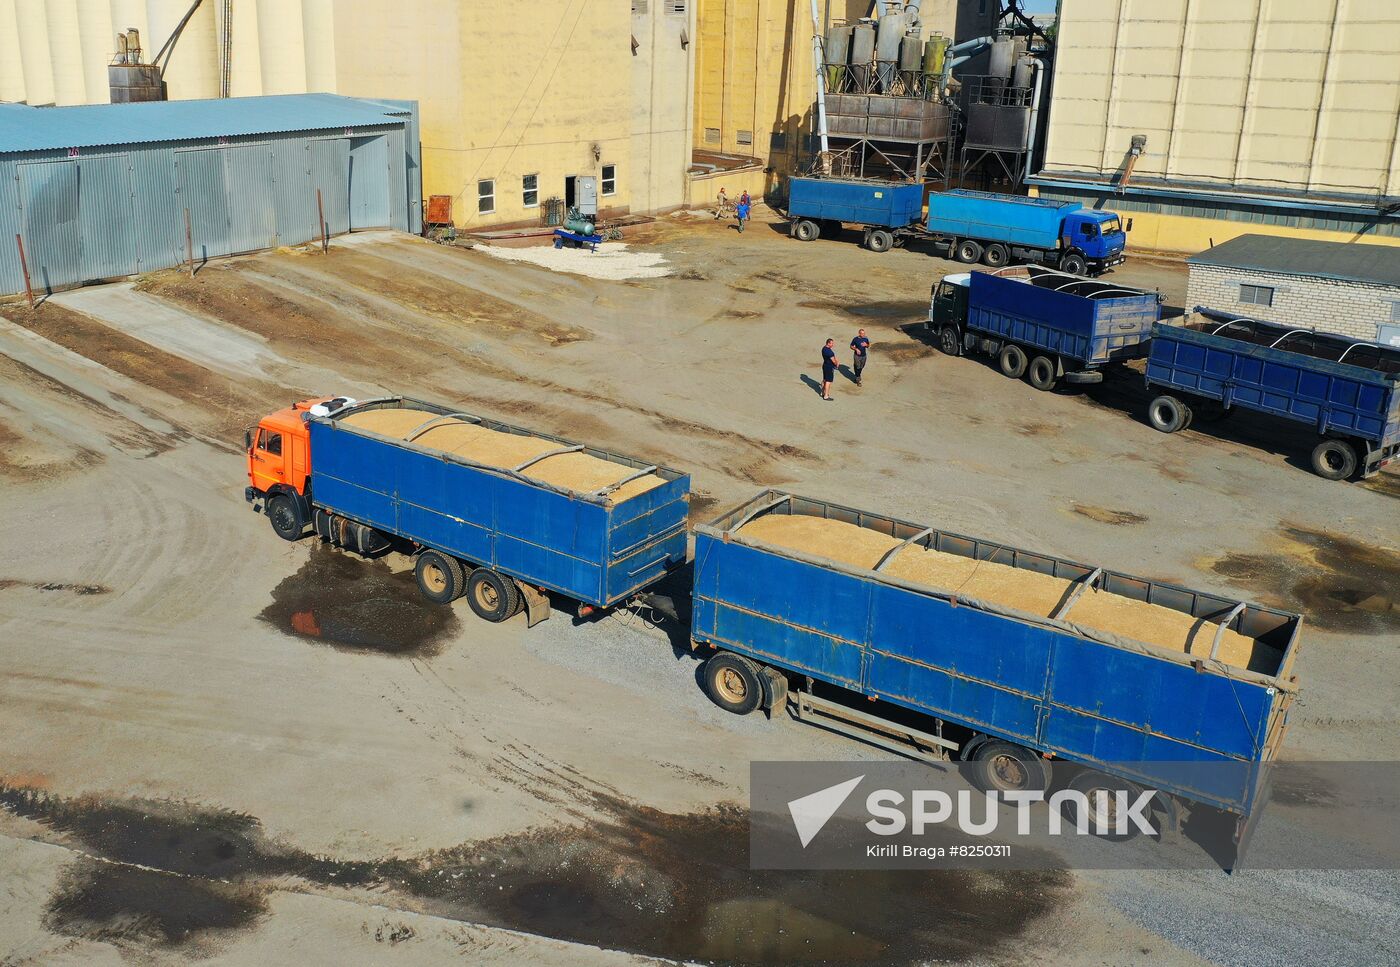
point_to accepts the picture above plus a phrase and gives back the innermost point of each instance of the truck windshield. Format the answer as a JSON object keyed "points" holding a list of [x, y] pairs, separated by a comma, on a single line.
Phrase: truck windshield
{"points": [[1110, 225]]}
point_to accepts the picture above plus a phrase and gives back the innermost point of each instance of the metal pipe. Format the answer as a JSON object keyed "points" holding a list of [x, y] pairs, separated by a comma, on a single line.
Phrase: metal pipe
{"points": [[968, 49], [819, 64], [169, 44], [1035, 117]]}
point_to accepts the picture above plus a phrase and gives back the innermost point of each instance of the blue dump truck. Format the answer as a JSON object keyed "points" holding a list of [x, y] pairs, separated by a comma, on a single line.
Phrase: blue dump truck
{"points": [[1042, 324], [1345, 393], [494, 512], [970, 226], [1021, 663]]}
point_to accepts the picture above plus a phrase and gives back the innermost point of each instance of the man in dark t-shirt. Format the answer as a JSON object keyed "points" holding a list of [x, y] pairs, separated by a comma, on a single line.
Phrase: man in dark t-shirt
{"points": [[860, 351], [828, 367]]}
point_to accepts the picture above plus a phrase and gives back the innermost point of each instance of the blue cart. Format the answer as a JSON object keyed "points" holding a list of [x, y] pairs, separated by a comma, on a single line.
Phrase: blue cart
{"points": [[479, 527], [987, 682], [1043, 324], [1345, 392]]}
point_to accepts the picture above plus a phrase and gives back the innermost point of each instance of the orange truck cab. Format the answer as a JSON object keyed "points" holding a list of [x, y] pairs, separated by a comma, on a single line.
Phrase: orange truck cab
{"points": [[279, 463]]}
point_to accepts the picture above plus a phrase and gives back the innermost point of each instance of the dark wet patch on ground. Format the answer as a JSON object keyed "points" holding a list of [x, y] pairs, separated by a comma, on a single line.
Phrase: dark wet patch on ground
{"points": [[1104, 515], [1037, 428], [81, 589], [1383, 483], [1335, 582], [662, 884], [895, 312], [358, 605], [1291, 784]]}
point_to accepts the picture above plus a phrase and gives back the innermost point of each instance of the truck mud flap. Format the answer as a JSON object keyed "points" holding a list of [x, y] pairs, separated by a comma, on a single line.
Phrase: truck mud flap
{"points": [[536, 604]]}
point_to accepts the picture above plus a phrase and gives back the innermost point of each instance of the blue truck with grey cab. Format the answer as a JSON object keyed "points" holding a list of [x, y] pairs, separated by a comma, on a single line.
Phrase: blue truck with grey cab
{"points": [[1045, 325], [937, 674], [969, 226], [1343, 393]]}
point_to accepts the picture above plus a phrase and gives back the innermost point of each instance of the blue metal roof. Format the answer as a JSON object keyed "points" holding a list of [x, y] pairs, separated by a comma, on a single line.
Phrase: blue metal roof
{"points": [[48, 128]]}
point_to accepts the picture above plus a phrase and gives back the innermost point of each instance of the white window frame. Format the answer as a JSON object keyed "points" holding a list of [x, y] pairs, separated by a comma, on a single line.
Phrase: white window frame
{"points": [[526, 192], [481, 196], [1254, 290], [604, 180]]}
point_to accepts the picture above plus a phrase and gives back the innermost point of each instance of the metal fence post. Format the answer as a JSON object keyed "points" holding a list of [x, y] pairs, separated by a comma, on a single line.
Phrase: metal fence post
{"points": [[24, 266], [189, 243], [321, 215]]}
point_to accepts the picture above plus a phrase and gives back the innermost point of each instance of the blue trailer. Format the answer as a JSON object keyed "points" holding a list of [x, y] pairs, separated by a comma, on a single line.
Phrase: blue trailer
{"points": [[970, 226], [1042, 324], [1346, 392], [494, 534], [988, 683]]}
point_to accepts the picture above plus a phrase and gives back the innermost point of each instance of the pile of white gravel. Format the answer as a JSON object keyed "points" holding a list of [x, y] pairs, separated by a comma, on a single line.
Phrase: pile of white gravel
{"points": [[612, 260]]}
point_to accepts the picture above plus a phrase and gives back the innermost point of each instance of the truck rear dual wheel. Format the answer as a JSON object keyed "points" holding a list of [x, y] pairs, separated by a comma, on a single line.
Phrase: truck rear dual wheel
{"points": [[805, 230], [1106, 795], [967, 251], [1007, 767], [1334, 460], [1168, 414], [492, 597], [996, 255], [441, 577], [732, 683], [1012, 361], [1043, 373]]}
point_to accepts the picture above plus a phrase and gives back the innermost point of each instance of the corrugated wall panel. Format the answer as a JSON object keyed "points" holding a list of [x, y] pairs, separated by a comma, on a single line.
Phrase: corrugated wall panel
{"points": [[252, 215], [369, 182], [105, 217], [203, 191], [330, 172], [48, 199], [157, 209], [293, 199], [11, 278], [398, 198]]}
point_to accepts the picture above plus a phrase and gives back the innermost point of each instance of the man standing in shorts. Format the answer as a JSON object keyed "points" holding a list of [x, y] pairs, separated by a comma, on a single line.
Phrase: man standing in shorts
{"points": [[828, 368], [860, 351]]}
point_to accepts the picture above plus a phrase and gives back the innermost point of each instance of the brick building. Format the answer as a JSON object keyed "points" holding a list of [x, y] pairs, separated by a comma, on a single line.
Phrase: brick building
{"points": [[1347, 288]]}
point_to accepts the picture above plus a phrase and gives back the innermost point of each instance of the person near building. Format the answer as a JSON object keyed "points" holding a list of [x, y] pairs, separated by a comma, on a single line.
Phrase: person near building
{"points": [[741, 212], [860, 352]]}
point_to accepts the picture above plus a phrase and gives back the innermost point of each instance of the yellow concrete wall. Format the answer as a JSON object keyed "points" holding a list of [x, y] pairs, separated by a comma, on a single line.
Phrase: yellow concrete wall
{"points": [[1299, 95], [503, 90], [1153, 232]]}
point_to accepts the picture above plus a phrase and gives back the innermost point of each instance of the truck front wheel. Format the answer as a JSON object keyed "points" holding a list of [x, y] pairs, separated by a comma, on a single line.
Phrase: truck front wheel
{"points": [[492, 596], [439, 576], [948, 342], [805, 231], [1074, 264], [732, 683], [1006, 767], [285, 517], [968, 251], [880, 241], [1012, 361], [1334, 460]]}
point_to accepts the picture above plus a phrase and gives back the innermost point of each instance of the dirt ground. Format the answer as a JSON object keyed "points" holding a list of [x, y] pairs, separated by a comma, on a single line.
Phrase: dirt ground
{"points": [[224, 747]]}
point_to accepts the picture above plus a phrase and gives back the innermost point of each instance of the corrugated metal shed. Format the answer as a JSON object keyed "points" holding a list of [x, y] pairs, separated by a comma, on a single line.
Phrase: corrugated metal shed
{"points": [[42, 129], [109, 191], [1345, 261]]}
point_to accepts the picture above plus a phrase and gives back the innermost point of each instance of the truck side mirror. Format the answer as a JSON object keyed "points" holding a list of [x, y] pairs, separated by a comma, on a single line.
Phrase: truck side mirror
{"points": [[1130, 226], [247, 438]]}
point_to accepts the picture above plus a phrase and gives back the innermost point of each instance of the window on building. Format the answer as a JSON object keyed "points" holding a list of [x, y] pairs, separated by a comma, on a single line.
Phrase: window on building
{"points": [[777, 141], [609, 179], [1256, 295], [486, 196], [744, 137], [639, 7], [676, 7], [530, 190], [712, 135], [1395, 312]]}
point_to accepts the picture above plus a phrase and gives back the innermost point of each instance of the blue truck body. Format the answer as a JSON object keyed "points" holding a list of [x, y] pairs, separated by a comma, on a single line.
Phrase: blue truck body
{"points": [[1339, 388], [972, 225], [579, 545], [884, 204], [1041, 684]]}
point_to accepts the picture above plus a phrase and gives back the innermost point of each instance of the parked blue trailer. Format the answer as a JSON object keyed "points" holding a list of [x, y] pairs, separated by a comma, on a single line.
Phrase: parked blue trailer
{"points": [[970, 226], [990, 682], [1345, 392], [497, 535], [1042, 324]]}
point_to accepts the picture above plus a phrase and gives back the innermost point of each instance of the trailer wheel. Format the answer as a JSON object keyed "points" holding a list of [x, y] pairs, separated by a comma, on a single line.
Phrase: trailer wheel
{"points": [[1042, 373], [1102, 793], [879, 240], [285, 517], [1334, 460], [1074, 264], [440, 576], [1012, 361], [492, 596], [1167, 413], [732, 683], [996, 255], [948, 342], [1006, 767], [968, 251], [805, 231]]}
